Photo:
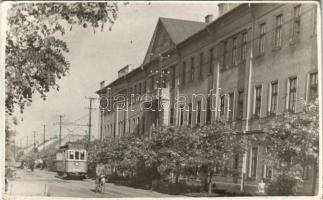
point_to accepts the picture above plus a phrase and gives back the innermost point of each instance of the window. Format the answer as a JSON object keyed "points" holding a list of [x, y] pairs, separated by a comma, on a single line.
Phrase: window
{"points": [[224, 54], [235, 51], [171, 120], [198, 117], [278, 31], [138, 125], [208, 110], [173, 76], [240, 105], [82, 155], [244, 46], [114, 130], [222, 102], [313, 91], [201, 65], [262, 34], [145, 86], [231, 100], [71, 155], [211, 61], [257, 101], [143, 124], [77, 155], [236, 161], [268, 172], [292, 94], [192, 69], [297, 22], [134, 127], [190, 114], [152, 83], [254, 158], [306, 172], [130, 95], [184, 72], [181, 110], [273, 97]]}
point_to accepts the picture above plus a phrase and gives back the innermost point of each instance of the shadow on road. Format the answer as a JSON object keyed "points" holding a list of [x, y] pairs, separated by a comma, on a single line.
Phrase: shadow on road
{"points": [[70, 178]]}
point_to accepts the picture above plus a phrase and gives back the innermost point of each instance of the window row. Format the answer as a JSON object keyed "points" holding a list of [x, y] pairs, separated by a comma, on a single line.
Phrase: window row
{"points": [[227, 108], [231, 105], [133, 126], [278, 30], [193, 68]]}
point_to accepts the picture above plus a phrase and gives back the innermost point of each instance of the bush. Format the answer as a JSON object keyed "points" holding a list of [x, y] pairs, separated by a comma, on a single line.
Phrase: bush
{"points": [[283, 186], [164, 186]]}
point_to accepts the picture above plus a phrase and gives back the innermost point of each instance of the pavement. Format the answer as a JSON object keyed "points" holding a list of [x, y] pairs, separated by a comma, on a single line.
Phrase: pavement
{"points": [[45, 183]]}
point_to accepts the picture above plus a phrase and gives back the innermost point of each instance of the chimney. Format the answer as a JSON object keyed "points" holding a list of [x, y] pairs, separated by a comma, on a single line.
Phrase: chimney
{"points": [[208, 18], [102, 84]]}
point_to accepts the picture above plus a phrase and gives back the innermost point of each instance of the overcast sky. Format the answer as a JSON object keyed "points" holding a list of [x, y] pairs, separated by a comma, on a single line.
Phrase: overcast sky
{"points": [[97, 57]]}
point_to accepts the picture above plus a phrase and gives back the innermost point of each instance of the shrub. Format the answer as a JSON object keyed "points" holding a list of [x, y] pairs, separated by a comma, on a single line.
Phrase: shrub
{"points": [[283, 186]]}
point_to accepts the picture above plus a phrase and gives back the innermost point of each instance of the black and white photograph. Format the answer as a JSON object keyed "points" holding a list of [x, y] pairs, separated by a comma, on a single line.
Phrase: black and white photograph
{"points": [[160, 99]]}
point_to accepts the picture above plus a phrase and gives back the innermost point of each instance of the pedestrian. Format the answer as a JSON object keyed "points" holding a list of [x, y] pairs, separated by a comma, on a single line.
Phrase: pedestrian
{"points": [[261, 187], [44, 164], [22, 164], [32, 165]]}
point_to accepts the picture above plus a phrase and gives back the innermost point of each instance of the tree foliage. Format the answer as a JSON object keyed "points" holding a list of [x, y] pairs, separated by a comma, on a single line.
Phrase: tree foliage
{"points": [[34, 51], [176, 150], [292, 140]]}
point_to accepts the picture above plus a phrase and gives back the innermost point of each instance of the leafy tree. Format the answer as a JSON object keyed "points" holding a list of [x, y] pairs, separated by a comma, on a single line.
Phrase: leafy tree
{"points": [[34, 51], [292, 142], [171, 149], [217, 143]]}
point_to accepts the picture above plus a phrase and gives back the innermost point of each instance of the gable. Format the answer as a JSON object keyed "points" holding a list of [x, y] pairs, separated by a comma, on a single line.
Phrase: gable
{"points": [[168, 33], [160, 42]]}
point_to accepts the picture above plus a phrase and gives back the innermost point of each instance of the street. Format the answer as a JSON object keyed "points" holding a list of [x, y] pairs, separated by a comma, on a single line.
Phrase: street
{"points": [[45, 183]]}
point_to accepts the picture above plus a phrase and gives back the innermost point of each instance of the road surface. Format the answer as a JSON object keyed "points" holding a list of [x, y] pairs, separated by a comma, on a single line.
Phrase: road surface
{"points": [[45, 183]]}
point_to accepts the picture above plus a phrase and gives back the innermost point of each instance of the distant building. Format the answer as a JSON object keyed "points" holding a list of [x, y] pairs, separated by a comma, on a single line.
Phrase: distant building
{"points": [[214, 57]]}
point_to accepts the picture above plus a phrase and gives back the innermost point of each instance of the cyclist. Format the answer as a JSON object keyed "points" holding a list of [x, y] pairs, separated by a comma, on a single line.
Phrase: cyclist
{"points": [[100, 170]]}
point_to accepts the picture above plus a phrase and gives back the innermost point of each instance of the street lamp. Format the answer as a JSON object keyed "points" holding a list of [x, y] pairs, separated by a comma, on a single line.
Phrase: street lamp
{"points": [[161, 83]]}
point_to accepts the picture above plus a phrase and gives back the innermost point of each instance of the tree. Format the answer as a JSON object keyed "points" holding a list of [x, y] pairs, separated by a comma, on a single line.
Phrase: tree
{"points": [[292, 142], [34, 53], [171, 149], [217, 143]]}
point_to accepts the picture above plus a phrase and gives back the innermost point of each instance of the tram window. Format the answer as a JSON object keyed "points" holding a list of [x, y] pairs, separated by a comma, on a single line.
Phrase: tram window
{"points": [[71, 156], [82, 153], [77, 155]]}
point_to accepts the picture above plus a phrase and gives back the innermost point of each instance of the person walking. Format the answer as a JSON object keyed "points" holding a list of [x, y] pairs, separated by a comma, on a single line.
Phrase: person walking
{"points": [[261, 187]]}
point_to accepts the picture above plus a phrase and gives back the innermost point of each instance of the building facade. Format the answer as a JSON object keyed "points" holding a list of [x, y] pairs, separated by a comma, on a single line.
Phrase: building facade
{"points": [[253, 62]]}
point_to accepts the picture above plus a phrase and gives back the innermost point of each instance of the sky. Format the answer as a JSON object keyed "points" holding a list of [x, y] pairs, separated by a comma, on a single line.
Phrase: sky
{"points": [[98, 56]]}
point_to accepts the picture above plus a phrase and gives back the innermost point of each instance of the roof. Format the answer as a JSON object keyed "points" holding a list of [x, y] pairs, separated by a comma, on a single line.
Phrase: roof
{"points": [[212, 23], [179, 29]]}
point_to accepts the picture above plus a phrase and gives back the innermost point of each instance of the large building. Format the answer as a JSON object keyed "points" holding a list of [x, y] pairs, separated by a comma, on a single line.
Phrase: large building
{"points": [[253, 62]]}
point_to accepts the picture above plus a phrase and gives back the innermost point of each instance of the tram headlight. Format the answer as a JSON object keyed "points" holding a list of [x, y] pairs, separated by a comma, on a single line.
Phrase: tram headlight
{"points": [[77, 164]]}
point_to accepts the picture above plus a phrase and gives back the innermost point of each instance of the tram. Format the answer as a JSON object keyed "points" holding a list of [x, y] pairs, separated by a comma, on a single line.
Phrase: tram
{"points": [[71, 160]]}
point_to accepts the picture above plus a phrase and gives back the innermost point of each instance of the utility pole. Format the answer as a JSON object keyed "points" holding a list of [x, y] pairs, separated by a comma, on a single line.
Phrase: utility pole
{"points": [[34, 139], [90, 113], [60, 130], [44, 135]]}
